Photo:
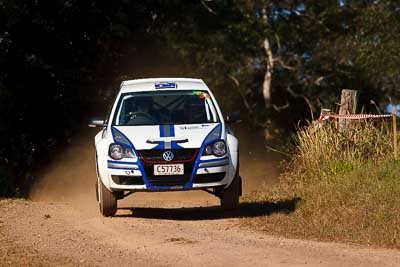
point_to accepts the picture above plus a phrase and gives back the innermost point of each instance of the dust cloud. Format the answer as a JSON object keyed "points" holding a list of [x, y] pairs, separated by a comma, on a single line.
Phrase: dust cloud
{"points": [[258, 165], [71, 177]]}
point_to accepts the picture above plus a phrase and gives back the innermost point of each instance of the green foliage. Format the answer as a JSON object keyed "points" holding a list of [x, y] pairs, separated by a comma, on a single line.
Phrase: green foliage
{"points": [[220, 45], [59, 60], [339, 167], [319, 48]]}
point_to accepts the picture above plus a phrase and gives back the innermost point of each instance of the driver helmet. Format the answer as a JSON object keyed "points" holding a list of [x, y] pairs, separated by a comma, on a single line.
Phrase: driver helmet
{"points": [[144, 104]]}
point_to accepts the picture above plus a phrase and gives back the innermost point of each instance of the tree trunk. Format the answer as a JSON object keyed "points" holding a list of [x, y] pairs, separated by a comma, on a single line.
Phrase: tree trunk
{"points": [[268, 74], [270, 62], [348, 104]]}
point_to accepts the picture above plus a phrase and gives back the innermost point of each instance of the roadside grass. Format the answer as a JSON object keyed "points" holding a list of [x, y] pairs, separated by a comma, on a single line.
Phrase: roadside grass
{"points": [[348, 185], [13, 254]]}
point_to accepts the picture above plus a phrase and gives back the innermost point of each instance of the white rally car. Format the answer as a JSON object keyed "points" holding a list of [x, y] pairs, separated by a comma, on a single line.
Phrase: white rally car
{"points": [[162, 135]]}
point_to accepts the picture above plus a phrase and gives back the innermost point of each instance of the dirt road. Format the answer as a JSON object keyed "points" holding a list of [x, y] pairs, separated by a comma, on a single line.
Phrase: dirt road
{"points": [[170, 237], [158, 229]]}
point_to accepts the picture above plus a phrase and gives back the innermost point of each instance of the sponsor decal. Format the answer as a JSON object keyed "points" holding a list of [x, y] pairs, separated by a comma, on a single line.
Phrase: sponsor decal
{"points": [[189, 127], [163, 85], [201, 94]]}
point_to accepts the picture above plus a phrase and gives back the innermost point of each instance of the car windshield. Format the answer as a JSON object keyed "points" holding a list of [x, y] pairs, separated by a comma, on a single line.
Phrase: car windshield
{"points": [[165, 107]]}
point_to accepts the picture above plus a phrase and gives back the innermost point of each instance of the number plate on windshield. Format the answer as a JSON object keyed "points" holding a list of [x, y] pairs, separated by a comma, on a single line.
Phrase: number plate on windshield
{"points": [[169, 169]]}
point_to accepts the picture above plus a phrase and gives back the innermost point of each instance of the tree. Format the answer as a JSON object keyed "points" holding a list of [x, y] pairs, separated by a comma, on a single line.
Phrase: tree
{"points": [[274, 60]]}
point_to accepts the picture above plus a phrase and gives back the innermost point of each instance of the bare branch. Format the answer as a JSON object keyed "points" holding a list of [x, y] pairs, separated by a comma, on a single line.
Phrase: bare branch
{"points": [[154, 17], [245, 102], [319, 80], [291, 92], [203, 2], [235, 81], [284, 65], [279, 108], [278, 42], [293, 67], [265, 14]]}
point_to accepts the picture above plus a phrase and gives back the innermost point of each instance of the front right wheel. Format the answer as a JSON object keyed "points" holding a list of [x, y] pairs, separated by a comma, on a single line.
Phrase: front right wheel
{"points": [[230, 196], [107, 200]]}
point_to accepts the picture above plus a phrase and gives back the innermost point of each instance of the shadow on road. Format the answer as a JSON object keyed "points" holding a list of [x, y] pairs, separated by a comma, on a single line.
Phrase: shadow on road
{"points": [[248, 209]]}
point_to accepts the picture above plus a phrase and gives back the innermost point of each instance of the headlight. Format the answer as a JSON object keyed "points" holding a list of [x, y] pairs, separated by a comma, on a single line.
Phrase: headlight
{"points": [[118, 152], [217, 149], [207, 150]]}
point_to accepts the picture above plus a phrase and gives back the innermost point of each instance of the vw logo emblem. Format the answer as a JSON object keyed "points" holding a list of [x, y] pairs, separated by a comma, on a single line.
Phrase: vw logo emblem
{"points": [[168, 155]]}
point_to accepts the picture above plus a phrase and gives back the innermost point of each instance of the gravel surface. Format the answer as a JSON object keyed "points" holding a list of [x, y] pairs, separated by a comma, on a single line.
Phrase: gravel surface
{"points": [[168, 237]]}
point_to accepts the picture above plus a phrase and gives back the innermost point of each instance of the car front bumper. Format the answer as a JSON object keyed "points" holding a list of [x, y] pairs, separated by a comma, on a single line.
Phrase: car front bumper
{"points": [[130, 176]]}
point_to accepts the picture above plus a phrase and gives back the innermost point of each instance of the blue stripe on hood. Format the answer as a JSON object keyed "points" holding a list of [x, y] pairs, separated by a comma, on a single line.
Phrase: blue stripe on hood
{"points": [[167, 131]]}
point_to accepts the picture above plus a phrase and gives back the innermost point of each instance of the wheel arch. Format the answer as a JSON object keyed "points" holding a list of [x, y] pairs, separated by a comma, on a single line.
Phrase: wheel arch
{"points": [[233, 150]]}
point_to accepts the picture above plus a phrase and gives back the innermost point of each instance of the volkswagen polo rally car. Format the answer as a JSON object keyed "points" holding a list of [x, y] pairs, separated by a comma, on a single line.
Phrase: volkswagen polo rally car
{"points": [[163, 135]]}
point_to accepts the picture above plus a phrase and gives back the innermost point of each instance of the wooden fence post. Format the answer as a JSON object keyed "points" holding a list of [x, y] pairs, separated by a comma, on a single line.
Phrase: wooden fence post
{"points": [[394, 122], [348, 104]]}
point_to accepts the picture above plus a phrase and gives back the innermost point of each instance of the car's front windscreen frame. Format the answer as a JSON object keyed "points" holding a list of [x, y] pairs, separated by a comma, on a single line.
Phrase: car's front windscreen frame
{"points": [[210, 101]]}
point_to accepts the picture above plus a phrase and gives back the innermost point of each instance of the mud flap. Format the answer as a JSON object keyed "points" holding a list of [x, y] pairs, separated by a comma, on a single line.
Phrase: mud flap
{"points": [[240, 185], [97, 191], [120, 195]]}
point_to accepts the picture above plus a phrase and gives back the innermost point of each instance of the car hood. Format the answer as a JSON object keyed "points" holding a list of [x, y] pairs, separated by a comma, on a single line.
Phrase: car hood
{"points": [[168, 136]]}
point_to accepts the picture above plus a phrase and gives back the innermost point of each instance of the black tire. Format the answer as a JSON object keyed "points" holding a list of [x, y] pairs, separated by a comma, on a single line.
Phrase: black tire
{"points": [[230, 196], [107, 200]]}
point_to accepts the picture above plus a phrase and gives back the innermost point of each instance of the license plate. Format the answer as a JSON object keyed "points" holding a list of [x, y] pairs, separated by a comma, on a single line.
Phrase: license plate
{"points": [[169, 169]]}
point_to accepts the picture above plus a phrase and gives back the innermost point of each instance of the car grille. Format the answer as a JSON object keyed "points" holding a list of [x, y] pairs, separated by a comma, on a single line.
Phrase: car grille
{"points": [[180, 155], [168, 180], [150, 157]]}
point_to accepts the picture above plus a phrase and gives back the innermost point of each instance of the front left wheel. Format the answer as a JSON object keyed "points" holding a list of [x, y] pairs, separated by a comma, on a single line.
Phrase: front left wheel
{"points": [[107, 200], [230, 196]]}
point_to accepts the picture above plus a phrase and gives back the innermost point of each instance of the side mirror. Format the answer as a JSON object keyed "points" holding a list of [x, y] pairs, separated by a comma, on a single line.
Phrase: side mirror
{"points": [[97, 122], [233, 117]]}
